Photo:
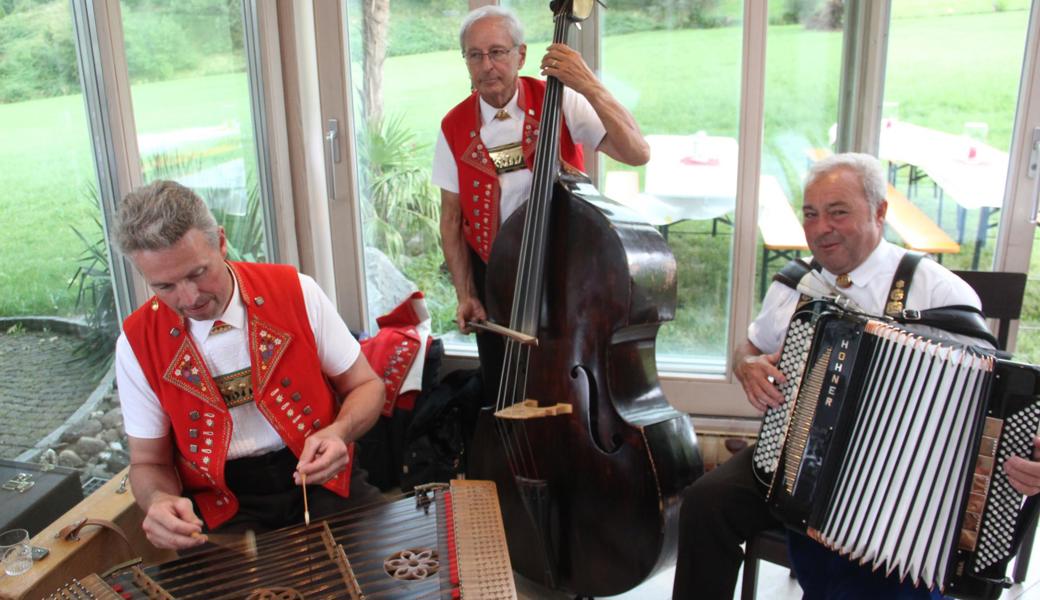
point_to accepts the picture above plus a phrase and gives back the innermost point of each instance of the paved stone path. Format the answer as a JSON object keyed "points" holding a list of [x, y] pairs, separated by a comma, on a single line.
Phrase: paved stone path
{"points": [[39, 387]]}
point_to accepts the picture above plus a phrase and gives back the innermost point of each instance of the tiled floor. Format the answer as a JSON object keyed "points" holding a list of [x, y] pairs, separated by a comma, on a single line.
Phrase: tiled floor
{"points": [[773, 584]]}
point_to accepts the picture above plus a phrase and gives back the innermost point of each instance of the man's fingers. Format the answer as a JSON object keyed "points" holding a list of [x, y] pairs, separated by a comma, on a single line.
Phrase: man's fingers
{"points": [[172, 523], [1024, 475], [184, 510]]}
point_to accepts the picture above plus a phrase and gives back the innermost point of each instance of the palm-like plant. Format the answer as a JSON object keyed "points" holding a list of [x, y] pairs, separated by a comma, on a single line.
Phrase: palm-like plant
{"points": [[401, 207], [95, 297]]}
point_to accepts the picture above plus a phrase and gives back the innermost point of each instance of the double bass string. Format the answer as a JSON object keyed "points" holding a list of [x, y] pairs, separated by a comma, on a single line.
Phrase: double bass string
{"points": [[530, 283]]}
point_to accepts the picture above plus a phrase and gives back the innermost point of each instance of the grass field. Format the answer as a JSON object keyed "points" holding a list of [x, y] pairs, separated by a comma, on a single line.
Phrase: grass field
{"points": [[942, 70], [48, 168]]}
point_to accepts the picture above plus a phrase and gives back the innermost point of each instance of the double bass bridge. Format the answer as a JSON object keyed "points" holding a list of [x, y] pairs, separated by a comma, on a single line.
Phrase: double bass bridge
{"points": [[529, 409]]}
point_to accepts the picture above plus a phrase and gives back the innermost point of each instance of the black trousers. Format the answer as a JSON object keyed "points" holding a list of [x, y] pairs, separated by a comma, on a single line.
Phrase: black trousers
{"points": [[268, 499], [720, 511]]}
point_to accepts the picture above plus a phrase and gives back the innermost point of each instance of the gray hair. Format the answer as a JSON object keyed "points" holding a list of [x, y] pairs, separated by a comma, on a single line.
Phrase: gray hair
{"points": [[157, 216], [868, 168], [512, 23]]}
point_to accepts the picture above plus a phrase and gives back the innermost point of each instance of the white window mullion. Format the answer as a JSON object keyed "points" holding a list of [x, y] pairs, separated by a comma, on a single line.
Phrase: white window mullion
{"points": [[863, 75], [1017, 228], [752, 108], [106, 94]]}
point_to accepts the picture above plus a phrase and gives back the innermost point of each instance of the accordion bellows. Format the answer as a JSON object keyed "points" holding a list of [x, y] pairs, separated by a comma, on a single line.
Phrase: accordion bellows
{"points": [[889, 449]]}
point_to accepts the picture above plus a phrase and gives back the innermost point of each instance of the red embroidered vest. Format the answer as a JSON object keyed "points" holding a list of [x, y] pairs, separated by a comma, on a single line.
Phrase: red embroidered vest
{"points": [[288, 386], [392, 351], [479, 190]]}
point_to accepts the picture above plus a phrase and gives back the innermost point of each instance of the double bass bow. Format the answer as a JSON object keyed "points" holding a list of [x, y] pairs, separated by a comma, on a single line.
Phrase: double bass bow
{"points": [[588, 456]]}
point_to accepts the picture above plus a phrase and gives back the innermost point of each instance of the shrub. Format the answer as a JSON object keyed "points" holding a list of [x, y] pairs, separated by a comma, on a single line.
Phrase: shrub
{"points": [[37, 53], [401, 206], [829, 17], [95, 298]]}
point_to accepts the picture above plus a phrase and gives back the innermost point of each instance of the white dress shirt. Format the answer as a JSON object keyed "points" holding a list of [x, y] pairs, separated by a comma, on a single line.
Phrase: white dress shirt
{"points": [[582, 122], [932, 286]]}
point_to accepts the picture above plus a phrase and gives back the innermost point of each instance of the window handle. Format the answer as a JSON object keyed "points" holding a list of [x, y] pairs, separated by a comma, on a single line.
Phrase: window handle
{"points": [[1031, 172], [332, 144]]}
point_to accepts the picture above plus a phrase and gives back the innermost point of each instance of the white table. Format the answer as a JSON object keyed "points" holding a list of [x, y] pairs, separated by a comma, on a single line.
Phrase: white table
{"points": [[695, 177], [970, 172], [691, 176]]}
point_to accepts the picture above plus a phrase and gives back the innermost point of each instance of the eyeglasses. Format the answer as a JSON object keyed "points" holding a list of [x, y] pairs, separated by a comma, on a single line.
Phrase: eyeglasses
{"points": [[474, 57]]}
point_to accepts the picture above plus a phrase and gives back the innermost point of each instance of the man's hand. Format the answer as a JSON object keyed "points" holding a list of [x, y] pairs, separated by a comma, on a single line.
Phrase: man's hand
{"points": [[1024, 475], [324, 455], [754, 372], [564, 63], [171, 521], [470, 309]]}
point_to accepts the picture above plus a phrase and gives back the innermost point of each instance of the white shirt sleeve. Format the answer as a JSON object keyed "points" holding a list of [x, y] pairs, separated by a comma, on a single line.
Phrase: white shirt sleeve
{"points": [[934, 286], [445, 172], [337, 348], [143, 416], [582, 121], [767, 331]]}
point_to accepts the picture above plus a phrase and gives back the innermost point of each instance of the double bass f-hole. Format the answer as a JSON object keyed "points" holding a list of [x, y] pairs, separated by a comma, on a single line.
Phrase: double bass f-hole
{"points": [[603, 435]]}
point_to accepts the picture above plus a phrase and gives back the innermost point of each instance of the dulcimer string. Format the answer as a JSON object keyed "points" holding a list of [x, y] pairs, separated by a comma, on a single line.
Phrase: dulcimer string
{"points": [[281, 552]]}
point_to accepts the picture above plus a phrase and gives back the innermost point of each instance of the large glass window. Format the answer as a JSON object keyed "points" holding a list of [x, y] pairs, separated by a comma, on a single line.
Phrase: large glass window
{"points": [[803, 72], [677, 67], [57, 315], [407, 72], [952, 68], [951, 86], [191, 107]]}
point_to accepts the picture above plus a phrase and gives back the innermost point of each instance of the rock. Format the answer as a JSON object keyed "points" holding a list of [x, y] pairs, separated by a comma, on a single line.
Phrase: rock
{"points": [[68, 458], [113, 418], [89, 446], [69, 436], [117, 462], [100, 471], [112, 436], [90, 427], [387, 285]]}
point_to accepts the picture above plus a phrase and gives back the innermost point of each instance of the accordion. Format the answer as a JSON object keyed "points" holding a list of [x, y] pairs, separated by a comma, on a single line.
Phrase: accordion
{"points": [[889, 449]]}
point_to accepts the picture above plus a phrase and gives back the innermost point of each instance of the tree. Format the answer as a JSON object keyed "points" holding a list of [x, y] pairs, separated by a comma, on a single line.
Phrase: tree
{"points": [[375, 30]]}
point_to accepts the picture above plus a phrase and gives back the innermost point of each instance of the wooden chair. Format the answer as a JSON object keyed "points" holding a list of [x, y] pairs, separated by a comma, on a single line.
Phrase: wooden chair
{"points": [[1001, 295]]}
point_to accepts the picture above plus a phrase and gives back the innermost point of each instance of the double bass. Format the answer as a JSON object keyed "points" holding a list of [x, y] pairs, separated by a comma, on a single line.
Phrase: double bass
{"points": [[588, 456]]}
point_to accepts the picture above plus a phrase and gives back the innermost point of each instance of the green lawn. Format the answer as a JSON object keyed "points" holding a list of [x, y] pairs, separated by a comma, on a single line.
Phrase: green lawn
{"points": [[46, 156], [48, 169]]}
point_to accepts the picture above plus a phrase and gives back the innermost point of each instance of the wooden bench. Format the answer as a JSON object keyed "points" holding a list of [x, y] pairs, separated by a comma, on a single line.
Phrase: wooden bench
{"points": [[782, 233], [918, 231]]}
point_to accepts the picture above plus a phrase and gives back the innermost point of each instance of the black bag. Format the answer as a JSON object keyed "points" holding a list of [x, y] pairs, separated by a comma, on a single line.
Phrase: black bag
{"points": [[380, 451], [441, 430]]}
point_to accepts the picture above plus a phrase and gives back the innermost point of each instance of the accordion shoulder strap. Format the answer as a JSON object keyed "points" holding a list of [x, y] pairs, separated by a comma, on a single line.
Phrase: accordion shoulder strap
{"points": [[793, 271], [960, 319], [899, 290]]}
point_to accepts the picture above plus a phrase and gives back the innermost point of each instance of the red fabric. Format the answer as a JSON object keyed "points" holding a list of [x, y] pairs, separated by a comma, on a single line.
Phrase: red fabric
{"points": [[288, 386], [479, 191], [393, 350]]}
